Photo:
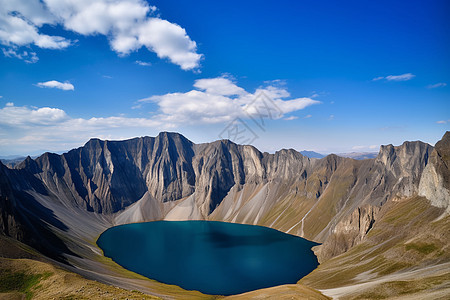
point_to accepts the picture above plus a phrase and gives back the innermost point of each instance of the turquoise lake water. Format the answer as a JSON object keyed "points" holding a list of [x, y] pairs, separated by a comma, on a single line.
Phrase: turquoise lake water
{"points": [[212, 257]]}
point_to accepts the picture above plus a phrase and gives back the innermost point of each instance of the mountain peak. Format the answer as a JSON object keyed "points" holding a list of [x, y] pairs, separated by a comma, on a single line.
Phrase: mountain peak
{"points": [[169, 134], [30, 164]]}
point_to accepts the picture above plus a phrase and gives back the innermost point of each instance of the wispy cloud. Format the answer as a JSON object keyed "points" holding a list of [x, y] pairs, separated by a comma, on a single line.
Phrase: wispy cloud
{"points": [[360, 147], [143, 63], [107, 76], [402, 77], [436, 85], [291, 118], [443, 121], [129, 26], [307, 116], [331, 118], [29, 57], [65, 86]]}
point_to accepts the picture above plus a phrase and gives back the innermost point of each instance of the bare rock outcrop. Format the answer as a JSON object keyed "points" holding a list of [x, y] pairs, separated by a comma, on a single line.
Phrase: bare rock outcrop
{"points": [[435, 180], [349, 232]]}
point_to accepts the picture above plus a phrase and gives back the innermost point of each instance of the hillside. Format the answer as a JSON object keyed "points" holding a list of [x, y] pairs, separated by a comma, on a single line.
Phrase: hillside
{"points": [[377, 211]]}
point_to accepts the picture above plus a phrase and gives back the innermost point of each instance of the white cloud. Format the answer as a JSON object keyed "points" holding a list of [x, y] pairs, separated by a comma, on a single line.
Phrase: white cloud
{"points": [[128, 24], [167, 40], [365, 148], [219, 100], [30, 117], [22, 116], [307, 117], [143, 63], [19, 23], [53, 129], [1, 97], [291, 118], [219, 86], [65, 86], [403, 77], [9, 104], [196, 106], [436, 85], [27, 56], [331, 118], [443, 122]]}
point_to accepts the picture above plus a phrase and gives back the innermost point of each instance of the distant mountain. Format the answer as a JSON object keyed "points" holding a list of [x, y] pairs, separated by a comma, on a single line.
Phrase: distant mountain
{"points": [[312, 154], [60, 204], [358, 155], [12, 160]]}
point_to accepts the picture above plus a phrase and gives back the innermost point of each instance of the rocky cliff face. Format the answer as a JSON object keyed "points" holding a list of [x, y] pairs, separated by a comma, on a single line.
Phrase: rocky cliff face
{"points": [[333, 200], [24, 218], [349, 232], [394, 174], [106, 177], [435, 181]]}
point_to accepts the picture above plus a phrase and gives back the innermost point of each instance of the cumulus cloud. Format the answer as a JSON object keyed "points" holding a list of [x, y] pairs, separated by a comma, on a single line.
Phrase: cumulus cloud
{"points": [[20, 21], [436, 85], [217, 100], [65, 86], [128, 24], [219, 86], [15, 116], [402, 77], [53, 129], [28, 117]]}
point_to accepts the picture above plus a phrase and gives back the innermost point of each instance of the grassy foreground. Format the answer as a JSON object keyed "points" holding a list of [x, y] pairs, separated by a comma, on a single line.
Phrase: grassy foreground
{"points": [[32, 279]]}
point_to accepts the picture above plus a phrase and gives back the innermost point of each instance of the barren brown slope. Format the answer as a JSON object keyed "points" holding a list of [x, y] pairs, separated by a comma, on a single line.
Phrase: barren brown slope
{"points": [[288, 291]]}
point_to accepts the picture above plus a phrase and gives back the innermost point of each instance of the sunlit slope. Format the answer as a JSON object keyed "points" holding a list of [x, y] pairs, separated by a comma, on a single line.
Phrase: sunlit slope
{"points": [[406, 252]]}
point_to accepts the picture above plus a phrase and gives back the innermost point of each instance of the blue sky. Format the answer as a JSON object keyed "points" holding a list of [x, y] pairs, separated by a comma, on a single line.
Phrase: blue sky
{"points": [[329, 76]]}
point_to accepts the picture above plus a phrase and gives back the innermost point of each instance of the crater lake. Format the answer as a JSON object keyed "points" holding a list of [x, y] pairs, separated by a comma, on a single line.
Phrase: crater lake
{"points": [[211, 257]]}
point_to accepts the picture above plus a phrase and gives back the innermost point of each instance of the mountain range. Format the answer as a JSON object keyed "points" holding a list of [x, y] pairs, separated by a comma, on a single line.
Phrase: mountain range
{"points": [[383, 222]]}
